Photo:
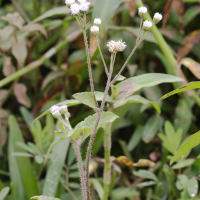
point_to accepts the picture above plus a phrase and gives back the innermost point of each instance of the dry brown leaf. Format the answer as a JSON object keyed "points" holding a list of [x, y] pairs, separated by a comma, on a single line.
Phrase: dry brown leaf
{"points": [[93, 46], [190, 40], [19, 51], [192, 65], [167, 12], [20, 93], [8, 67], [131, 7], [179, 7], [141, 163]]}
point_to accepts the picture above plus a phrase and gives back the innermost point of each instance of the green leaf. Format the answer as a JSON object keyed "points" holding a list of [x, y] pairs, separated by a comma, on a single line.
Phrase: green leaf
{"points": [[84, 128], [39, 159], [136, 99], [145, 174], [145, 184], [25, 147], [98, 187], [105, 10], [44, 198], [183, 163], [4, 192], [22, 154], [64, 10], [22, 164], [151, 128], [122, 193], [189, 86], [131, 85], [190, 143], [192, 187], [86, 98], [190, 14], [182, 181]]}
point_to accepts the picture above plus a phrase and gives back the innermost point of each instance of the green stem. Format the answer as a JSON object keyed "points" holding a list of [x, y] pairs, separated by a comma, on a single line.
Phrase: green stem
{"points": [[107, 165], [172, 68]]}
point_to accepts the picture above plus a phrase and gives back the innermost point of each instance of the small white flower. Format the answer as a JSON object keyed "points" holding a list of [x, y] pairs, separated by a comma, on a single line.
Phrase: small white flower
{"points": [[69, 2], [142, 11], [97, 21], [74, 9], [147, 25], [84, 6], [82, 1], [55, 111], [115, 46], [157, 17], [94, 30], [63, 109]]}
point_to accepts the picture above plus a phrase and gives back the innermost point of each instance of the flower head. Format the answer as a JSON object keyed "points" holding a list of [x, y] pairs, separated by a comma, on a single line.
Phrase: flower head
{"points": [[157, 17], [115, 46], [94, 30], [97, 21], [55, 111], [82, 1], [142, 11], [63, 109], [75, 9], [69, 2], [84, 6], [147, 25]]}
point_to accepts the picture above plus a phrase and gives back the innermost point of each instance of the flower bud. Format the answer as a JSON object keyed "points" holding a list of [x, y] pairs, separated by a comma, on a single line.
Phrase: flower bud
{"points": [[63, 109], [142, 11], [97, 21], [94, 30], [157, 17], [116, 46], [84, 7], [147, 25], [55, 111]]}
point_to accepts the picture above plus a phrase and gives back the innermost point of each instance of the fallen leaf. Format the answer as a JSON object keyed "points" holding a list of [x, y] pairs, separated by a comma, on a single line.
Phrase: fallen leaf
{"points": [[131, 8], [8, 67], [20, 52], [141, 163], [20, 93], [189, 41]]}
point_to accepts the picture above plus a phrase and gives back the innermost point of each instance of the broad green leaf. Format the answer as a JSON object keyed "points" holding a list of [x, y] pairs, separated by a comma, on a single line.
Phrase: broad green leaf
{"points": [[131, 85], [136, 99], [189, 86], [85, 127], [122, 193], [86, 98], [98, 187], [25, 147], [190, 143], [151, 128], [190, 14], [145, 174], [64, 10], [192, 187], [4, 192], [105, 10], [183, 163], [44, 198], [182, 181], [23, 164], [21, 154]]}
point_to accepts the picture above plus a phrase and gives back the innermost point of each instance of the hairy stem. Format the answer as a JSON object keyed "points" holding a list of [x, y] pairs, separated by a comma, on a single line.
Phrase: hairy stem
{"points": [[99, 114], [81, 171], [105, 66], [88, 60], [107, 165]]}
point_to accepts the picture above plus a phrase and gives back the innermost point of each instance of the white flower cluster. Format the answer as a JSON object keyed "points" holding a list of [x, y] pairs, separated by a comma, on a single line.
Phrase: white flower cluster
{"points": [[148, 24], [56, 111], [75, 8], [95, 29], [115, 46]]}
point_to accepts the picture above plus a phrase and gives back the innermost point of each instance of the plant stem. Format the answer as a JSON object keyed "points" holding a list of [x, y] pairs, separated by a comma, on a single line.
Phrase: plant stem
{"points": [[107, 165], [81, 171], [99, 114], [105, 66], [88, 60]]}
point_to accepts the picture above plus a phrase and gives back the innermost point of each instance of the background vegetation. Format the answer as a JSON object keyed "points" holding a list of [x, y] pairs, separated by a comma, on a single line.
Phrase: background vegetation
{"points": [[43, 62]]}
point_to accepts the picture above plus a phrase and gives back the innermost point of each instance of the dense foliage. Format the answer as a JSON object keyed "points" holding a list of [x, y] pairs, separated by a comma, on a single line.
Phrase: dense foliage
{"points": [[43, 62]]}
